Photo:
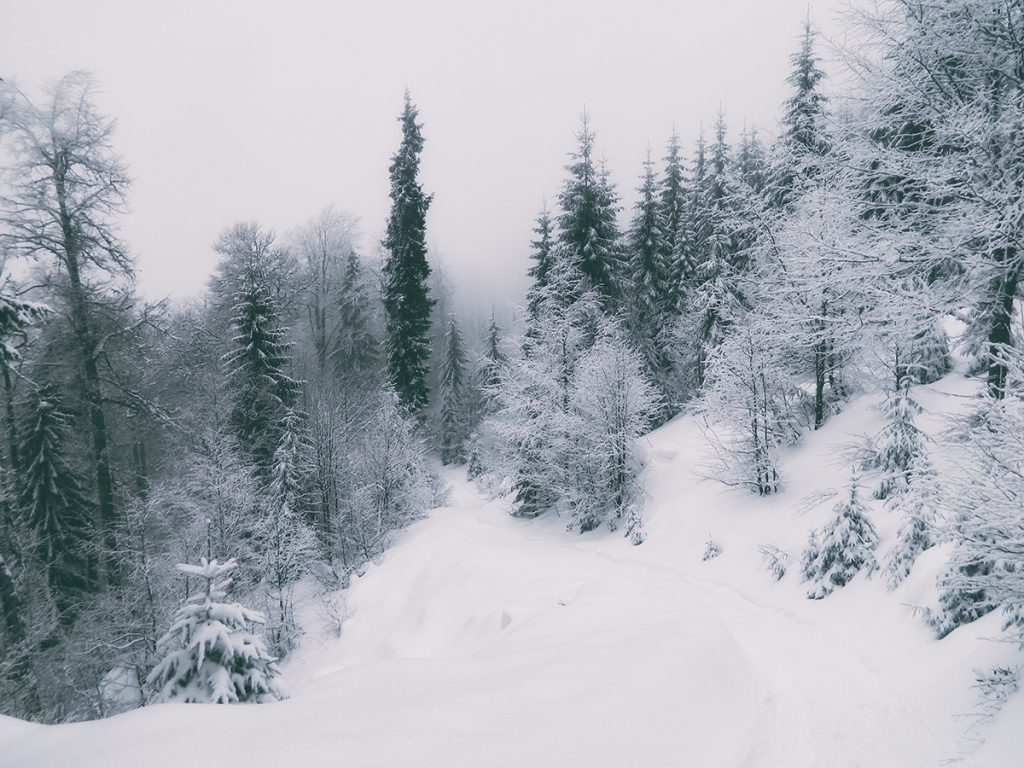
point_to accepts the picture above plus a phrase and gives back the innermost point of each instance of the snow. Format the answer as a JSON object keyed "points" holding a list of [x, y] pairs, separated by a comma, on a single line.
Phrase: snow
{"points": [[483, 640]]}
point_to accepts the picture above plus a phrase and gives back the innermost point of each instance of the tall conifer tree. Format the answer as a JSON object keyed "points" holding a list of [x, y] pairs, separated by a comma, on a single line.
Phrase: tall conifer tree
{"points": [[261, 391], [649, 272], [355, 351], [672, 193], [453, 391], [542, 256], [406, 298], [51, 496], [803, 136], [587, 224]]}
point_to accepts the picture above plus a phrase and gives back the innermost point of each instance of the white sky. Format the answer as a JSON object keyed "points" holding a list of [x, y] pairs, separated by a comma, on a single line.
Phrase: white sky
{"points": [[272, 110]]}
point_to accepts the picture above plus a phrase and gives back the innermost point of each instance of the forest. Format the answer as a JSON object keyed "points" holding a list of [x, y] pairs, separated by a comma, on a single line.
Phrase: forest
{"points": [[269, 438]]}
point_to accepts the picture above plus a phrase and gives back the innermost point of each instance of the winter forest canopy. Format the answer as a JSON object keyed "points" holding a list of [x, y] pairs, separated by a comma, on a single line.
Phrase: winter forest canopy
{"points": [[177, 477]]}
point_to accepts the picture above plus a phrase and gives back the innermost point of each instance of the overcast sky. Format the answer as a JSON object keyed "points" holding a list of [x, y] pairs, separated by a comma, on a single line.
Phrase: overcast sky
{"points": [[270, 111]]}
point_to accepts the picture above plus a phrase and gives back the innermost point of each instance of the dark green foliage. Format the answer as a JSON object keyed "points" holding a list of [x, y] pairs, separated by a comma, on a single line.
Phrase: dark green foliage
{"points": [[844, 547], [587, 223], [494, 358], [672, 206], [751, 165], [541, 267], [260, 390], [651, 299], [454, 381], [719, 295], [52, 499], [356, 350], [804, 140], [406, 300]]}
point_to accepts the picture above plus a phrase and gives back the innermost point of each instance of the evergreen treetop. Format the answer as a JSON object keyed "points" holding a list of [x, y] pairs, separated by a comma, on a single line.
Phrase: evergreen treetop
{"points": [[407, 302], [587, 224]]}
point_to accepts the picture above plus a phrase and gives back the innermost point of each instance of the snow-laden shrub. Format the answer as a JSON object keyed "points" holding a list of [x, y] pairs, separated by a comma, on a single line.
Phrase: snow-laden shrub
{"points": [[900, 444], [995, 686], [918, 506], [842, 548], [212, 656], [711, 549], [635, 530], [774, 560]]}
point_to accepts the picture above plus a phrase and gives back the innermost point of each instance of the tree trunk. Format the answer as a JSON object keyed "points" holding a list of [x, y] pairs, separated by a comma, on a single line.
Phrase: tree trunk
{"points": [[1000, 337], [820, 365], [90, 380]]}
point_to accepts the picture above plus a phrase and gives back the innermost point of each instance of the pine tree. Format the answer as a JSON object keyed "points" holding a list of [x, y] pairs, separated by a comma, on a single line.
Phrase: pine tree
{"points": [[494, 356], [453, 394], [688, 252], [844, 547], [900, 443], [751, 164], [587, 223], [804, 140], [719, 298], [406, 298], [287, 542], [259, 388], [918, 505], [651, 293], [672, 205], [211, 655], [287, 486], [541, 256], [52, 499], [356, 350]]}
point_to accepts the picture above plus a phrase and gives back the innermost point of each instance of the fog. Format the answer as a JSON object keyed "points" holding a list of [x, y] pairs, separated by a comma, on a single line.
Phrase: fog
{"points": [[271, 111]]}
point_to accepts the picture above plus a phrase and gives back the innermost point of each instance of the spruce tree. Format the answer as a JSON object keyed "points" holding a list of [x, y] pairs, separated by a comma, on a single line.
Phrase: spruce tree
{"points": [[406, 298], [587, 223], [651, 294], [719, 298], [287, 542], [260, 390], [918, 506], [541, 256], [51, 497], [751, 164], [845, 546], [672, 205], [211, 654], [688, 252], [803, 141], [453, 396], [493, 358], [900, 443], [356, 350]]}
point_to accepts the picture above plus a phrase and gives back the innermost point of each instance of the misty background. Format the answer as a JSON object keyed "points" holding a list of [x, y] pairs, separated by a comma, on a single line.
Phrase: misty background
{"points": [[263, 111]]}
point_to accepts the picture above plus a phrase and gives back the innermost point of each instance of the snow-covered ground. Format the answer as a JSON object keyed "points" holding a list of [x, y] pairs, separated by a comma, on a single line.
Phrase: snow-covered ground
{"points": [[481, 640]]}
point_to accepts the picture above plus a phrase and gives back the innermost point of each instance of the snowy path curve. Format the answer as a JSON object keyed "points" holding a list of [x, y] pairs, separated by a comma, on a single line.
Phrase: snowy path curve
{"points": [[481, 640]]}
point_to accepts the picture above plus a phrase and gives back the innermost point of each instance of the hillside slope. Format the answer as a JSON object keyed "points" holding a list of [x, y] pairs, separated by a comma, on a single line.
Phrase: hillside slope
{"points": [[481, 640]]}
